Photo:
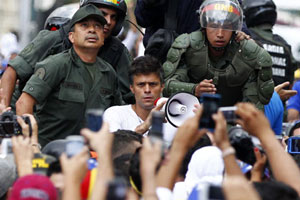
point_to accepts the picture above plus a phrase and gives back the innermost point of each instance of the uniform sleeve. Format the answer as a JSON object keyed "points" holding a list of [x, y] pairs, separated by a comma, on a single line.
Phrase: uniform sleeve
{"points": [[47, 76], [259, 87], [179, 82], [175, 70], [250, 91], [35, 51]]}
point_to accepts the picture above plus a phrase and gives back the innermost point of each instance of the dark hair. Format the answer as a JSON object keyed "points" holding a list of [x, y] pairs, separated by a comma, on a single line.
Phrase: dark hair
{"points": [[123, 142], [145, 65], [275, 190], [54, 168], [134, 170], [121, 167]]}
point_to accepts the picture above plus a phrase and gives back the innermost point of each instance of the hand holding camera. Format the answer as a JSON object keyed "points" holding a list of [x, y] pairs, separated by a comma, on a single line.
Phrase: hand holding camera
{"points": [[150, 156], [253, 120], [100, 141], [220, 135], [189, 133], [75, 167]]}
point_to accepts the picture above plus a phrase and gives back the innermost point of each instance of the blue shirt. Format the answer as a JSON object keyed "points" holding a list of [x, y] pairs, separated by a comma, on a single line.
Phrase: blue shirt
{"points": [[274, 112], [294, 101]]}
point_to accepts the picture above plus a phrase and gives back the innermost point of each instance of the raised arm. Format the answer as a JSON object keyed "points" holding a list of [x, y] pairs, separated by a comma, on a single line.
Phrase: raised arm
{"points": [[283, 166], [186, 136], [8, 82], [101, 142]]}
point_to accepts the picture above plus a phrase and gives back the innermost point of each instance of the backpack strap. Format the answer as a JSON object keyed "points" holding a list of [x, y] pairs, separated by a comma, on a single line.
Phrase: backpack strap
{"points": [[64, 31]]}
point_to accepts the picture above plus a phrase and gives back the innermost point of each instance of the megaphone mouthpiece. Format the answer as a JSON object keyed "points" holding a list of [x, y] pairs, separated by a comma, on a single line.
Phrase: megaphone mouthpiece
{"points": [[176, 108]]}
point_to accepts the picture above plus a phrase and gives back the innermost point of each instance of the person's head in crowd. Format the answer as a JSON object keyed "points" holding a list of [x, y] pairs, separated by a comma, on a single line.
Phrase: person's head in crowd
{"points": [[87, 26], [55, 148], [202, 142], [219, 20], [206, 166], [274, 190], [33, 187], [121, 167], [295, 129], [146, 81], [125, 142], [258, 12], [56, 176], [114, 13], [8, 174]]}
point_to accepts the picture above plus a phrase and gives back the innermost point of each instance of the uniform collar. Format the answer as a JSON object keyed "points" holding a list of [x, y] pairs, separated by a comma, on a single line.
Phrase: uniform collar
{"points": [[264, 27], [78, 62]]}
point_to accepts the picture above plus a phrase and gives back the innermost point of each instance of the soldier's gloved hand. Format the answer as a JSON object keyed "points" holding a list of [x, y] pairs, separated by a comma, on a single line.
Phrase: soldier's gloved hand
{"points": [[205, 86], [153, 3]]}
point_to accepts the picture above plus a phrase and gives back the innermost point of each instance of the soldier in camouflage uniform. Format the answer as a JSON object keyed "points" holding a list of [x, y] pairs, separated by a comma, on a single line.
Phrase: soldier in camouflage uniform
{"points": [[66, 84], [52, 42], [211, 61]]}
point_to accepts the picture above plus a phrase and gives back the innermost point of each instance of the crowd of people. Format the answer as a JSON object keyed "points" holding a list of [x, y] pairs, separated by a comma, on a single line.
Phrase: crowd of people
{"points": [[80, 108]]}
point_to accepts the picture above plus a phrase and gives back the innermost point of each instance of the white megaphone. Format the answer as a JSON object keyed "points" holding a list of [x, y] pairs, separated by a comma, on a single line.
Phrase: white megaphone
{"points": [[179, 107]]}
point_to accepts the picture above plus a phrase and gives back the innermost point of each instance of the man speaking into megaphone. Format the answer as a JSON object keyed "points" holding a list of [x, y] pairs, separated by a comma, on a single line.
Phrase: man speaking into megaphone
{"points": [[146, 83]]}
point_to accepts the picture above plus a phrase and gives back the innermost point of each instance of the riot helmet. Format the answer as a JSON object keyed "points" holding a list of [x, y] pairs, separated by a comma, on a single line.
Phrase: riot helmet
{"points": [[223, 14], [60, 16], [259, 12], [118, 5]]}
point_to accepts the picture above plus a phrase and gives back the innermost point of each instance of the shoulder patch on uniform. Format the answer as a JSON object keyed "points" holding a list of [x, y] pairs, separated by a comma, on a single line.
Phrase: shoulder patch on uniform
{"points": [[41, 72], [182, 41]]}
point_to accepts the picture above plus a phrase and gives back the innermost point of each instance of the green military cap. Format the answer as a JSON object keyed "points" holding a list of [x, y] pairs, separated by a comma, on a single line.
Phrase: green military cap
{"points": [[88, 11]]}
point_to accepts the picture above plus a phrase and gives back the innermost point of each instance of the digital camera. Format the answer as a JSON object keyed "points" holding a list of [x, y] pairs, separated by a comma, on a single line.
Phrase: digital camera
{"points": [[9, 125]]}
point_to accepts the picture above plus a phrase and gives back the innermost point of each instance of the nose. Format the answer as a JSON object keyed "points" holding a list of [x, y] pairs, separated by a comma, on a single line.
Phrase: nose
{"points": [[108, 19], [91, 28], [147, 88], [220, 33]]}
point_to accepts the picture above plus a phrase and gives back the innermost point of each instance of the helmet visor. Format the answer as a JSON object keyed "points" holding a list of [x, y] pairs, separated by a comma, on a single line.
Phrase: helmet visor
{"points": [[221, 14]]}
